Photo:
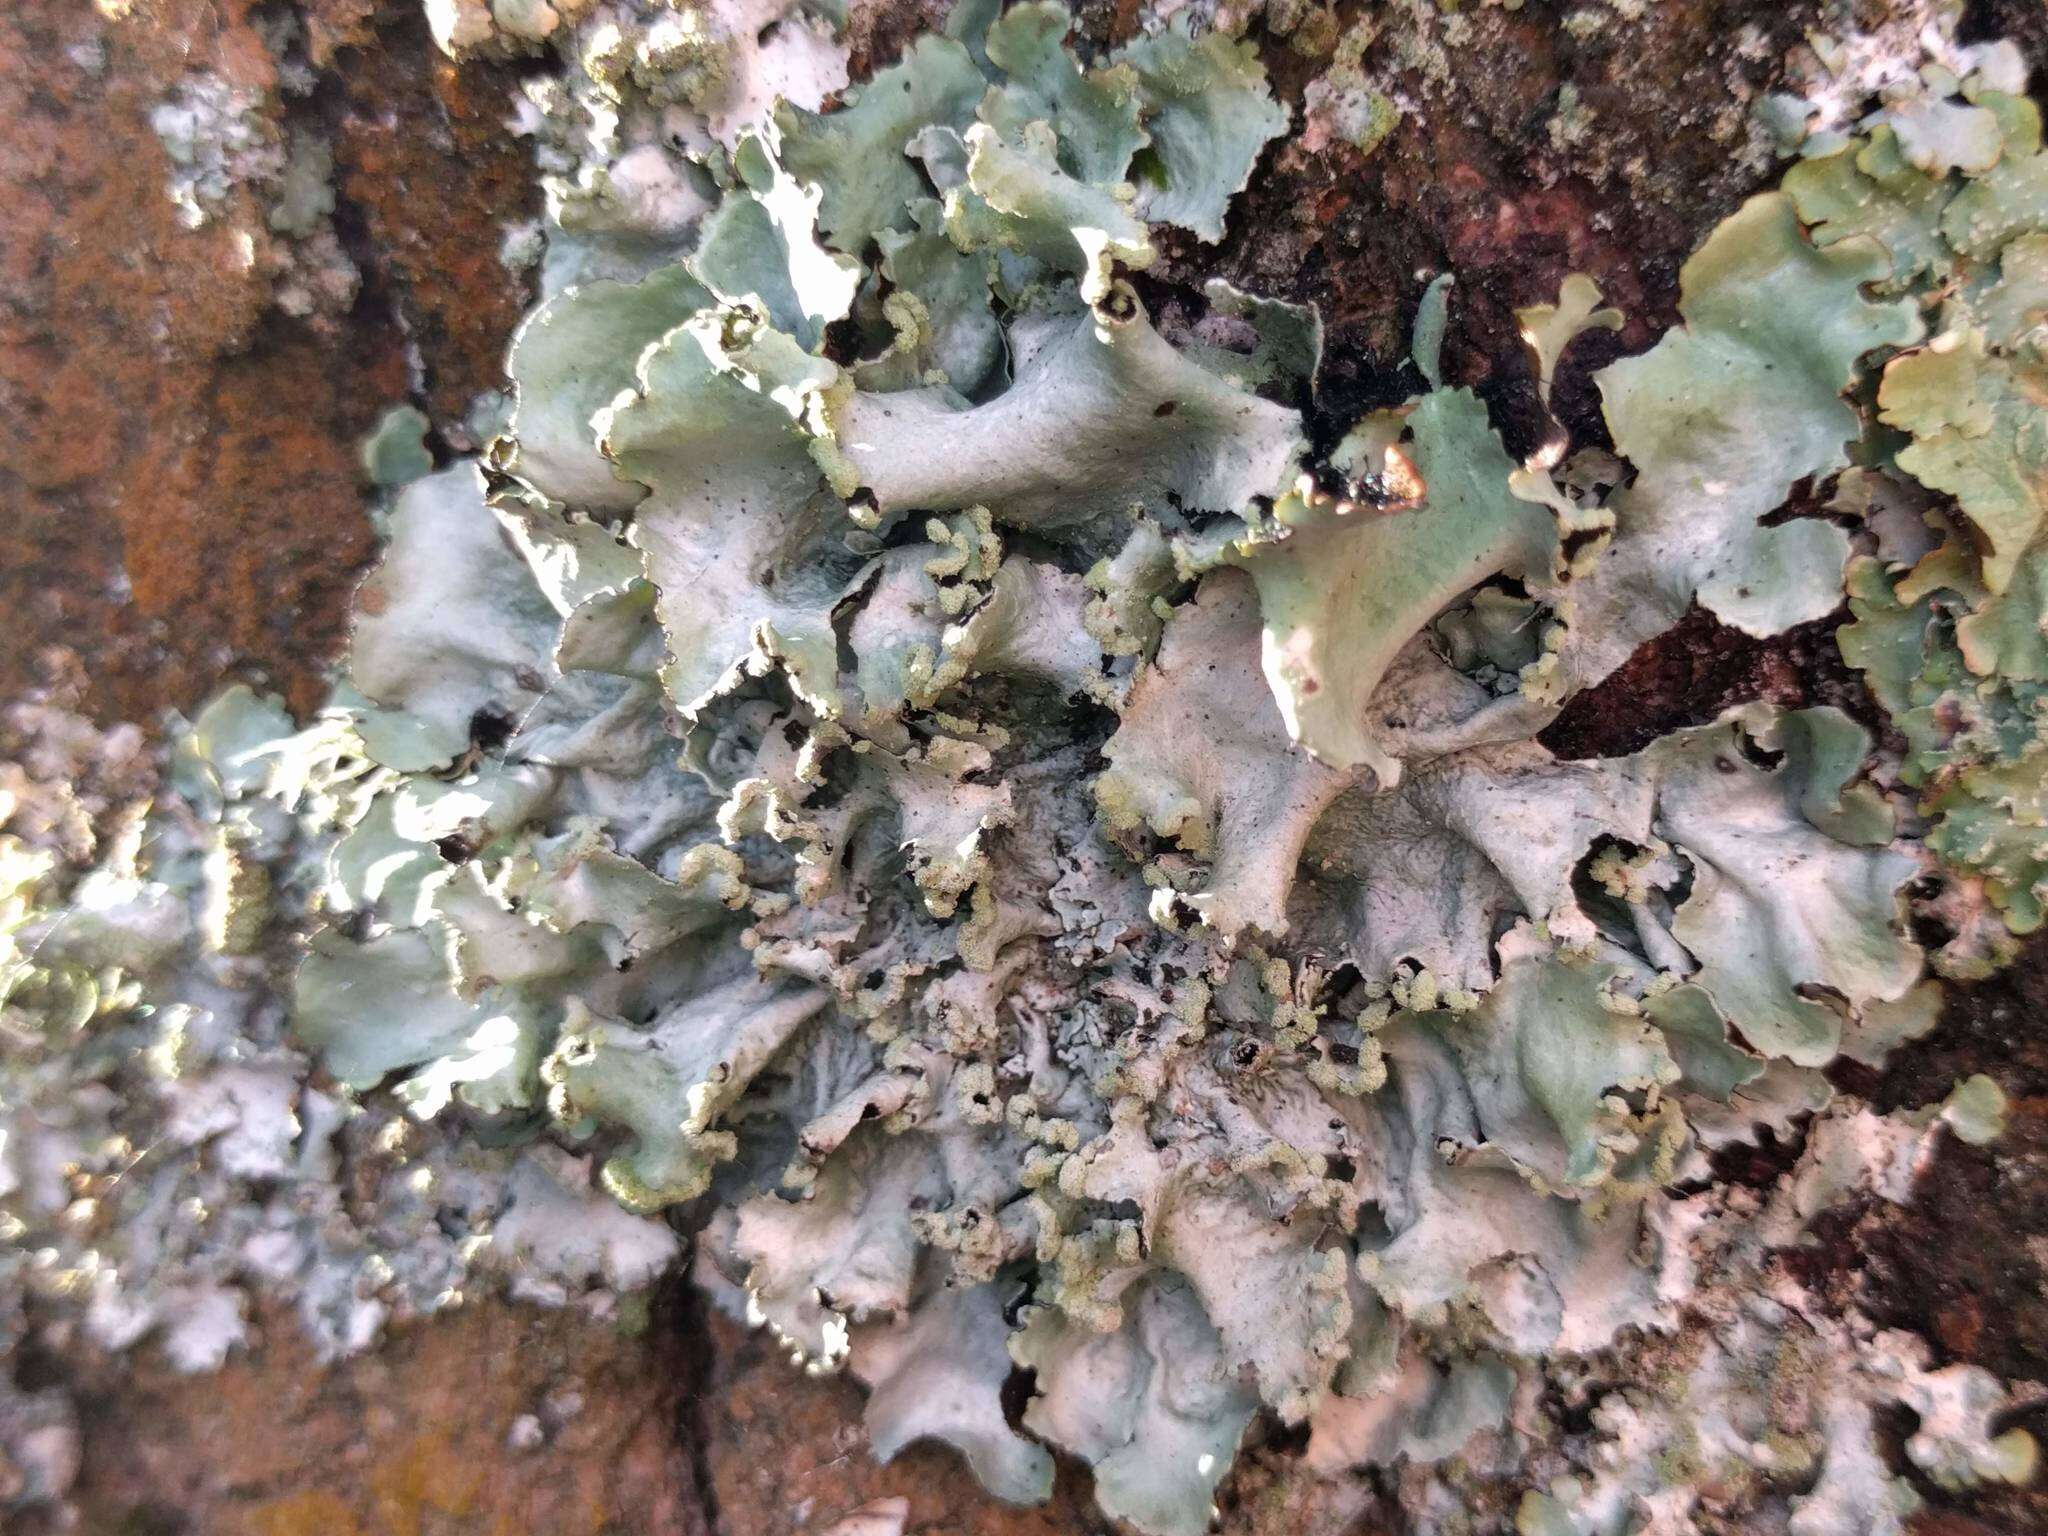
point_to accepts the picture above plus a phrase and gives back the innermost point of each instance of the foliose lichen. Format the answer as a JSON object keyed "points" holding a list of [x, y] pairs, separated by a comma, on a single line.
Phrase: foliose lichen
{"points": [[933, 785], [166, 1151]]}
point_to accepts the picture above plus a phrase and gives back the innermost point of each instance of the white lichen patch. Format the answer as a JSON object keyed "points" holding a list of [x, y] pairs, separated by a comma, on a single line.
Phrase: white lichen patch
{"points": [[216, 135], [238, 164]]}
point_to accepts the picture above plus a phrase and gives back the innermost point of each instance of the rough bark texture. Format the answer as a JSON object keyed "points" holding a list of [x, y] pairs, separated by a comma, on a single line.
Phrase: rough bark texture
{"points": [[177, 457], [1967, 1263], [415, 1439], [180, 504]]}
